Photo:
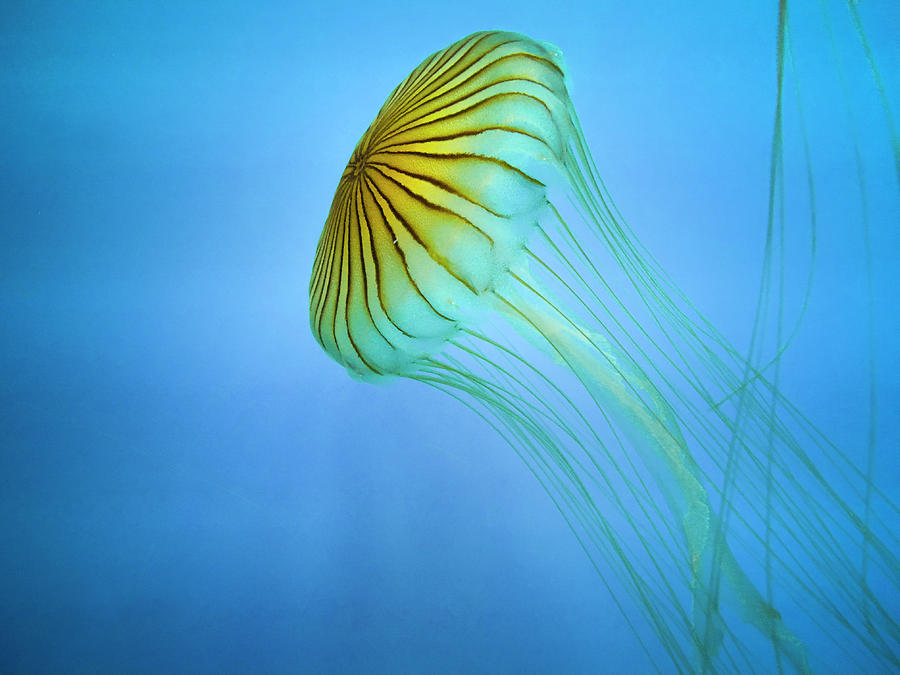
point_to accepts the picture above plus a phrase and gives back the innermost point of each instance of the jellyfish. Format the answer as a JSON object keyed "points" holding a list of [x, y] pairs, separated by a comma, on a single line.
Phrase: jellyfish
{"points": [[472, 245]]}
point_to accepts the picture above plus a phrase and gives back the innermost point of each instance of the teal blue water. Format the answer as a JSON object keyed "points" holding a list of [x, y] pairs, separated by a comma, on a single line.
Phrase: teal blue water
{"points": [[188, 484]]}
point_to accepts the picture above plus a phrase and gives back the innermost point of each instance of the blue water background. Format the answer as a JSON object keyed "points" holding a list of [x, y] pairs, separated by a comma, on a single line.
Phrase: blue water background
{"points": [[187, 483]]}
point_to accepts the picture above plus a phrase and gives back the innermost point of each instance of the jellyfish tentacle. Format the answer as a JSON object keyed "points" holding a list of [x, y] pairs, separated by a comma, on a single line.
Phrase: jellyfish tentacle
{"points": [[638, 409]]}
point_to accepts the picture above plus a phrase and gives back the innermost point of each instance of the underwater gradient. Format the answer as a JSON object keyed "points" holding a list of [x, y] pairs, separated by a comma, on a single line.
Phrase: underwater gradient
{"points": [[188, 483]]}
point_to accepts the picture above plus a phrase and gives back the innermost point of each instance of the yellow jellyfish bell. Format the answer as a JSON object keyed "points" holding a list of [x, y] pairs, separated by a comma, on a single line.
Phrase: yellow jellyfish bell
{"points": [[435, 205], [472, 245]]}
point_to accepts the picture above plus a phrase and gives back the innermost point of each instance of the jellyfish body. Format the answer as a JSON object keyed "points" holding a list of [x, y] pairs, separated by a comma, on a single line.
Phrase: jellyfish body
{"points": [[458, 228]]}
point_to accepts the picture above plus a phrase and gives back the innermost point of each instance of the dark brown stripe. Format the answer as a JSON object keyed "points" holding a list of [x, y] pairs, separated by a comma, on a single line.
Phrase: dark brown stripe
{"points": [[463, 134], [437, 80], [374, 188], [434, 255], [427, 203], [461, 98], [332, 289], [327, 266], [438, 184], [435, 95], [447, 57], [465, 111], [357, 199], [349, 267], [467, 155], [327, 233], [376, 263]]}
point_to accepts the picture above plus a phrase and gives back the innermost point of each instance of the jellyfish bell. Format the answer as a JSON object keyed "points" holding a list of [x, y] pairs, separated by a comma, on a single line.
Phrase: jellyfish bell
{"points": [[437, 202], [471, 214]]}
